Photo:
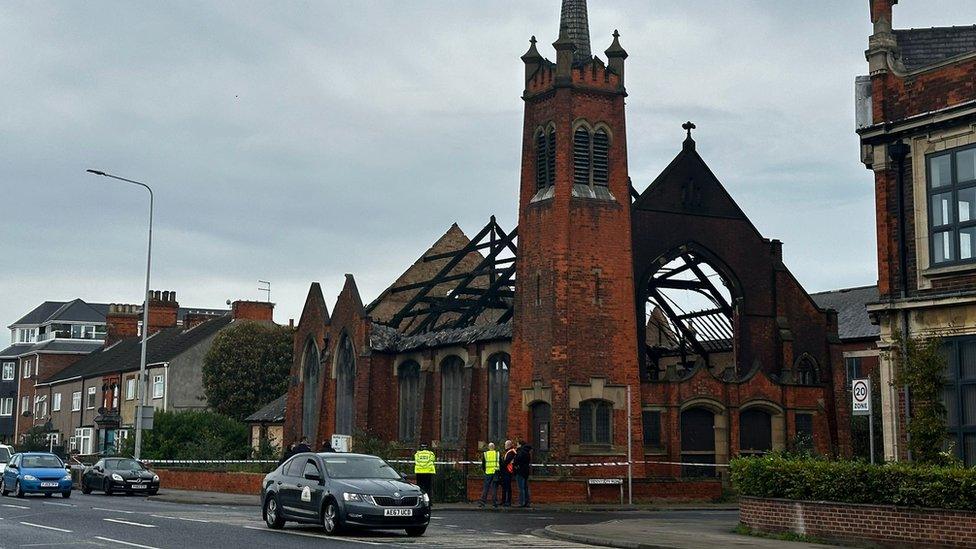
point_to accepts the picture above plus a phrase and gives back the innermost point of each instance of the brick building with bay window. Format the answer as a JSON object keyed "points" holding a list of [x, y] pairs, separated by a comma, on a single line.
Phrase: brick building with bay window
{"points": [[664, 301]]}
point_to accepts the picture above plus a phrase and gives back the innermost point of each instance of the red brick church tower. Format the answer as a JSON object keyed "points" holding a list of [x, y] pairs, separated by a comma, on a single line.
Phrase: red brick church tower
{"points": [[575, 336]]}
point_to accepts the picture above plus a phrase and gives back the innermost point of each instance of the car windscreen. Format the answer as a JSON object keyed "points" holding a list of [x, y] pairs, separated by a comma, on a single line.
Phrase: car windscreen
{"points": [[359, 467], [41, 462], [123, 465], [4, 455]]}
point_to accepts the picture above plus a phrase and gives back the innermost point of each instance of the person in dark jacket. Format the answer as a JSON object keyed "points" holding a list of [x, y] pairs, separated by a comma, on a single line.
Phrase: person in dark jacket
{"points": [[523, 467], [303, 446], [327, 446], [505, 473], [289, 451]]}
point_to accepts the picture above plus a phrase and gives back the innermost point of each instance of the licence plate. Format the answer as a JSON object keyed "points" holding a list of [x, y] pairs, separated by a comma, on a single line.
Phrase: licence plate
{"points": [[397, 512], [138, 486], [49, 485]]}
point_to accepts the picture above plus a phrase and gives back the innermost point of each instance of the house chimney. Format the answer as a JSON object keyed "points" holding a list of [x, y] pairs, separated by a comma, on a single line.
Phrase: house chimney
{"points": [[262, 311], [122, 321], [163, 310]]}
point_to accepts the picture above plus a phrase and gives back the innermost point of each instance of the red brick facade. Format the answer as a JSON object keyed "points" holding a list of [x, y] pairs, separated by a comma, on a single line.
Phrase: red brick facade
{"points": [[885, 525]]}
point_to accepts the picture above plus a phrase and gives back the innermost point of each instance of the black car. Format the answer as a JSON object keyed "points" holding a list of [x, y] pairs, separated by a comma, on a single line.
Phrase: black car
{"points": [[343, 490], [119, 475]]}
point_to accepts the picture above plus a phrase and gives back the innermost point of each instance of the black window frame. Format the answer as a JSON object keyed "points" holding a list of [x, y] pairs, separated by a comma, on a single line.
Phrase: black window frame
{"points": [[311, 406], [749, 434], [408, 373], [954, 226], [856, 362], [804, 426], [452, 388], [589, 416], [545, 157], [345, 420], [954, 381], [499, 377], [651, 430]]}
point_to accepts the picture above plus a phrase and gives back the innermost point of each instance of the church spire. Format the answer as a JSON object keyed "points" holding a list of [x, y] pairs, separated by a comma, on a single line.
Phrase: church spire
{"points": [[575, 23]]}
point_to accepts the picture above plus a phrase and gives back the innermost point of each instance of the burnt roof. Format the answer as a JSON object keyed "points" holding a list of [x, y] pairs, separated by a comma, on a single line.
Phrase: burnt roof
{"points": [[125, 355], [853, 321], [920, 48], [273, 412], [386, 339]]}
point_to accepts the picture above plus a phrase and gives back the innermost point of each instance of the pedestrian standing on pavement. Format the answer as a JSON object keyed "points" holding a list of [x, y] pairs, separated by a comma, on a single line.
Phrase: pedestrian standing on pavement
{"points": [[506, 471], [289, 451], [303, 446], [327, 446], [423, 467], [523, 467], [489, 464]]}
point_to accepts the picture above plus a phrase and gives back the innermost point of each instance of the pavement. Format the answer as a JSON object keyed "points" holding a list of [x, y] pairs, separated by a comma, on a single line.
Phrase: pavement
{"points": [[222, 520]]}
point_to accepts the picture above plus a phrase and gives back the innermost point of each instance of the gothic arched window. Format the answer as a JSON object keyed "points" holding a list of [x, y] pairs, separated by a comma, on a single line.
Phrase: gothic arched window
{"points": [[452, 375], [596, 417], [498, 396], [545, 158], [591, 157], [408, 377], [581, 156], [806, 371], [310, 393], [345, 387]]}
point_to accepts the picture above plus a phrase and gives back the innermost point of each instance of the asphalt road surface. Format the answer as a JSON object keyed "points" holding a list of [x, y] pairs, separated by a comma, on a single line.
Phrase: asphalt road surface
{"points": [[131, 521]]}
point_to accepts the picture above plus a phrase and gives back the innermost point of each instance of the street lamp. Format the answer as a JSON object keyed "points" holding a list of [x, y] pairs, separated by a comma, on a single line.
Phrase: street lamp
{"points": [[145, 315]]}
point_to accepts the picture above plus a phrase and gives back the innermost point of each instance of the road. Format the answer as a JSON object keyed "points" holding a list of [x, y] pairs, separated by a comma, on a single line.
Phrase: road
{"points": [[131, 521]]}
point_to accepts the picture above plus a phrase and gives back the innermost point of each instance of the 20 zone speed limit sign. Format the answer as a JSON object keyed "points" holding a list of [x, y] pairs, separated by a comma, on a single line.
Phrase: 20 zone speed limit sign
{"points": [[861, 395]]}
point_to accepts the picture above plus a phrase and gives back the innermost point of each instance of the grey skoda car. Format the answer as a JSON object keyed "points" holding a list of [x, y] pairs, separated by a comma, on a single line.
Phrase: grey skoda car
{"points": [[342, 491]]}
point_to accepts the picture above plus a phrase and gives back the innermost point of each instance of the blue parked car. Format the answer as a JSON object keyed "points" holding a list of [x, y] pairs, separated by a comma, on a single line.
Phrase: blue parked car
{"points": [[36, 473]]}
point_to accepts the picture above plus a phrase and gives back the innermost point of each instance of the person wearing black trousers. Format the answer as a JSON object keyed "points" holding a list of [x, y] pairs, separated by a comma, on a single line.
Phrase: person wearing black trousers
{"points": [[506, 472]]}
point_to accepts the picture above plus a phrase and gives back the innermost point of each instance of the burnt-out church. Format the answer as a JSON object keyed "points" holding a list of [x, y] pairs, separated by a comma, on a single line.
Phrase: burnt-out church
{"points": [[661, 298]]}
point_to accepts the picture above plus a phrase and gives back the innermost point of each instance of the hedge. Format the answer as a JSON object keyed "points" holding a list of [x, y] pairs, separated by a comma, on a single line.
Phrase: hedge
{"points": [[812, 479]]}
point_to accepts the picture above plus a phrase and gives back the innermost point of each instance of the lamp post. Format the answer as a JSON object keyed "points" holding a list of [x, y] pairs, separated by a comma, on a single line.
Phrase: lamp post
{"points": [[145, 315]]}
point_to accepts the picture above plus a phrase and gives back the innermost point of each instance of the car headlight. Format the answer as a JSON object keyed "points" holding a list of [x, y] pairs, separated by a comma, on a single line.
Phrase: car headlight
{"points": [[67, 476], [426, 499], [361, 498], [117, 477], [155, 478], [30, 477]]}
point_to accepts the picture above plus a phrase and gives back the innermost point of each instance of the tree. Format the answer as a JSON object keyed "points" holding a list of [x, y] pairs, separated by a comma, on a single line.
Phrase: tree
{"points": [[921, 366], [193, 434], [247, 367]]}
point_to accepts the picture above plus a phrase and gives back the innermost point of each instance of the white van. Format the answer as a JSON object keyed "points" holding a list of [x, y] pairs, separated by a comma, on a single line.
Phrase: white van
{"points": [[5, 453]]}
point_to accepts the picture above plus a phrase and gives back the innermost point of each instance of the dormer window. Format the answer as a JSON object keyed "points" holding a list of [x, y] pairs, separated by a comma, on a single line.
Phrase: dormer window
{"points": [[545, 157], [591, 156], [952, 206]]}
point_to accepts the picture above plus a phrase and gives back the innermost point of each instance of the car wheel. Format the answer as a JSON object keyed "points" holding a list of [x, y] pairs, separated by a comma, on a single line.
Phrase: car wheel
{"points": [[85, 489], [331, 522], [107, 487], [416, 531], [272, 513], [153, 492], [3, 489], [18, 490], [66, 495]]}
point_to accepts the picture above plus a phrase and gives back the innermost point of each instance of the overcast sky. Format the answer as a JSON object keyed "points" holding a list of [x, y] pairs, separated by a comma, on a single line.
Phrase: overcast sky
{"points": [[298, 141]]}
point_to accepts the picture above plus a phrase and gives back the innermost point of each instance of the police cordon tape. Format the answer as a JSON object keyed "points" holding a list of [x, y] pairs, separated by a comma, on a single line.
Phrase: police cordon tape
{"points": [[410, 461]]}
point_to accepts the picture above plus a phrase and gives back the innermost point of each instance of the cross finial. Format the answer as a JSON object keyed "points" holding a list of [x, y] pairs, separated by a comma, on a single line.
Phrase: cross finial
{"points": [[532, 40], [616, 33], [689, 125]]}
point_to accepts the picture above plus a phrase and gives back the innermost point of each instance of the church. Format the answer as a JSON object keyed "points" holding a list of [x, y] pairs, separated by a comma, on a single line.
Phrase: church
{"points": [[611, 296]]}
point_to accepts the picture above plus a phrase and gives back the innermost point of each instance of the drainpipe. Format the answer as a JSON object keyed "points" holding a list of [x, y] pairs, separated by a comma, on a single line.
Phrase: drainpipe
{"points": [[898, 151]]}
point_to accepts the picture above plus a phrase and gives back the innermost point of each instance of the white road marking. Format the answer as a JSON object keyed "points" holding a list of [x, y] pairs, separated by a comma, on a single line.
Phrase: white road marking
{"points": [[45, 527], [15, 506], [120, 521], [180, 518], [58, 504], [113, 510], [350, 540], [120, 542]]}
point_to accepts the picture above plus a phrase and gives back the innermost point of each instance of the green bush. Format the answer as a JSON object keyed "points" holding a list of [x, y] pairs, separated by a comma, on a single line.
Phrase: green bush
{"points": [[812, 479], [193, 435]]}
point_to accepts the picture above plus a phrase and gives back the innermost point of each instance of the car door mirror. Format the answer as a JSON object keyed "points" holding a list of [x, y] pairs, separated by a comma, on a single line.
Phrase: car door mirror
{"points": [[313, 476]]}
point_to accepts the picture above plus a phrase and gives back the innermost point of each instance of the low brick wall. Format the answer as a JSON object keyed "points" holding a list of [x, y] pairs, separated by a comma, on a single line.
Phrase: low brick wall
{"points": [[573, 490], [210, 481], [886, 525]]}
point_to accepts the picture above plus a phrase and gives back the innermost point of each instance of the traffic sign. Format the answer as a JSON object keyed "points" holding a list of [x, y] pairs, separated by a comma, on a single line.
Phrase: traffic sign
{"points": [[861, 395]]}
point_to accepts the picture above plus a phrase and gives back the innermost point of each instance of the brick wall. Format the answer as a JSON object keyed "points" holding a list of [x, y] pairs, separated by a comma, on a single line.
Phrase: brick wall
{"points": [[883, 524], [552, 490], [210, 481]]}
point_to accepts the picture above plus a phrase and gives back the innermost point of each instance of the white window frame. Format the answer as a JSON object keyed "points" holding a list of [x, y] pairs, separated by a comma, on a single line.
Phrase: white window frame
{"points": [[9, 371], [76, 401], [27, 369], [7, 407], [24, 404], [56, 402], [90, 399], [83, 440], [53, 437], [130, 388], [157, 386]]}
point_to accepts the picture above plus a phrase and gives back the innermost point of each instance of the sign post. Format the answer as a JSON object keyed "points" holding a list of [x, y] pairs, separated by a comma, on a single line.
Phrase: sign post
{"points": [[861, 406]]}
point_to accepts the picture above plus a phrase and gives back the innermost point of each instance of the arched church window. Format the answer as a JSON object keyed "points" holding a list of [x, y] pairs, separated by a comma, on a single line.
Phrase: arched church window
{"points": [[409, 382], [591, 157], [310, 393], [581, 156], [345, 387], [806, 371], [498, 396], [595, 422], [601, 157], [452, 374], [545, 158]]}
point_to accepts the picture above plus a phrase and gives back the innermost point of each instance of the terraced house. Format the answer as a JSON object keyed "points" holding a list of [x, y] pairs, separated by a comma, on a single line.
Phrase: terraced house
{"points": [[661, 298]]}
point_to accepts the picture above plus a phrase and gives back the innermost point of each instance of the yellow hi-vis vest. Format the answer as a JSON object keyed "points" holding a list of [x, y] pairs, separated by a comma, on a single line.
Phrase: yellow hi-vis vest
{"points": [[423, 462], [491, 461]]}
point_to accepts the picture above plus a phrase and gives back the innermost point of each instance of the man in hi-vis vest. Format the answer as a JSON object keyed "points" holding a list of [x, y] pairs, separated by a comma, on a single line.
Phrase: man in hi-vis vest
{"points": [[489, 464], [423, 467]]}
